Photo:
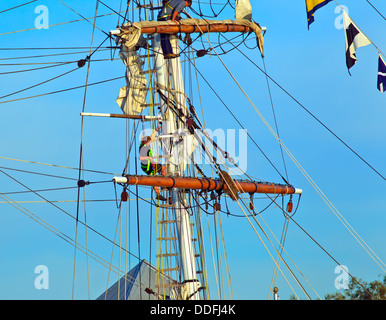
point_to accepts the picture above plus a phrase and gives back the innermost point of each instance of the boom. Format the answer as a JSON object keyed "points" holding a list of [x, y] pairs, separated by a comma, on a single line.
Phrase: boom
{"points": [[206, 184]]}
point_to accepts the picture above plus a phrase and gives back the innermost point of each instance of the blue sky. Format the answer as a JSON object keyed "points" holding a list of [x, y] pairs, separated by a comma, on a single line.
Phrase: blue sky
{"points": [[309, 64]]}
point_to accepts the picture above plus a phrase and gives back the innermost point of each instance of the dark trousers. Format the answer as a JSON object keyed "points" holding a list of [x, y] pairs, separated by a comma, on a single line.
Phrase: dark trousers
{"points": [[165, 40]]}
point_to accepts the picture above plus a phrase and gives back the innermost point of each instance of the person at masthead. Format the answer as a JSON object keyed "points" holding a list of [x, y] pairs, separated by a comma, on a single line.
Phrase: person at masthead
{"points": [[170, 11]]}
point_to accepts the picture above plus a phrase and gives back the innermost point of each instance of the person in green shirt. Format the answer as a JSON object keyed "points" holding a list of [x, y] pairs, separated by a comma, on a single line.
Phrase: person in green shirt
{"points": [[148, 163]]}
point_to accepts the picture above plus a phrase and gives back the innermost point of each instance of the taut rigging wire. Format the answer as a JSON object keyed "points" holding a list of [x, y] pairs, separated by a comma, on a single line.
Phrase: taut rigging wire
{"points": [[35, 69], [57, 24], [38, 173], [87, 19], [40, 83], [335, 211], [313, 116], [254, 217], [119, 15], [215, 14], [238, 121], [304, 108], [81, 141], [60, 209], [68, 239], [51, 48], [274, 117], [327, 201], [20, 5], [376, 9], [63, 90], [57, 166], [51, 55]]}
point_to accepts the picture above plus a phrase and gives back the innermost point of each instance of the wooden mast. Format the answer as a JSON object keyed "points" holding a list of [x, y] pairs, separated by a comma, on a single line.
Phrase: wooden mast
{"points": [[169, 75]]}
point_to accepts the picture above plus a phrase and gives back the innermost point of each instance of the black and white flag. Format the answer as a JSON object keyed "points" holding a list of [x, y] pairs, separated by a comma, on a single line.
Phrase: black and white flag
{"points": [[381, 75], [354, 40]]}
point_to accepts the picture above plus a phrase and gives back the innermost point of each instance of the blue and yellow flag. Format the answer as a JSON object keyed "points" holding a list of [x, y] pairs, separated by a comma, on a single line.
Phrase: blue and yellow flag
{"points": [[312, 6]]}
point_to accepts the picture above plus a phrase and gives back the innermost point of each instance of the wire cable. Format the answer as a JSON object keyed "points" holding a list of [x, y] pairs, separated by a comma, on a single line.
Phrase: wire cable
{"points": [[38, 84], [81, 142], [63, 90], [17, 6], [376, 9], [314, 117]]}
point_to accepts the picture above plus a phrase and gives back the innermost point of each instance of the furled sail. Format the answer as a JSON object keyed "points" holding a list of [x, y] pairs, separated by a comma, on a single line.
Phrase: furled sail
{"points": [[243, 10], [194, 25], [132, 97]]}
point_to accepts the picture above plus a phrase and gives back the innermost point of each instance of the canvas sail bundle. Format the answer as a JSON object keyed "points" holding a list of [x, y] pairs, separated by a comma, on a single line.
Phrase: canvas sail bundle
{"points": [[243, 10], [132, 97], [134, 30]]}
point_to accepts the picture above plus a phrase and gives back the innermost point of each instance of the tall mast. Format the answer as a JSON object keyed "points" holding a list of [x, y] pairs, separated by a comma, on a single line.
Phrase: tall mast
{"points": [[169, 76], [170, 87]]}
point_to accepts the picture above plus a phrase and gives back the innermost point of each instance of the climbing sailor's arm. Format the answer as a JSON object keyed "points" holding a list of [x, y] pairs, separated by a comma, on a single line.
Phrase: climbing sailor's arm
{"points": [[155, 132], [174, 16]]}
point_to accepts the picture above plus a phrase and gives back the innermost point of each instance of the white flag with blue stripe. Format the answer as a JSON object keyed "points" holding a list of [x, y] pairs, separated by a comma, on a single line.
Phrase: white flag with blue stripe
{"points": [[381, 74]]}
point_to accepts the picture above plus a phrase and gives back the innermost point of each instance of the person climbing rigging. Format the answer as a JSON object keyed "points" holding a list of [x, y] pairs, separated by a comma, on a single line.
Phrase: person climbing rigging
{"points": [[170, 11], [148, 163]]}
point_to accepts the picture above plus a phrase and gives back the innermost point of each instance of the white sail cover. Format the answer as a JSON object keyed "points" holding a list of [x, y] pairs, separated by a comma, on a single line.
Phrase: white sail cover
{"points": [[243, 10]]}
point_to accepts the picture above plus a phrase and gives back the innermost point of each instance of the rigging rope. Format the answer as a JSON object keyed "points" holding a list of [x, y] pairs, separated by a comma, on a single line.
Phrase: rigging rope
{"points": [[20, 5], [81, 165], [34, 69], [50, 55], [336, 212], [137, 193], [260, 226], [313, 116], [313, 184], [57, 166], [238, 121], [112, 253], [376, 9], [65, 212], [274, 117], [247, 217], [63, 90], [38, 84], [216, 243], [59, 233], [58, 24], [280, 252]]}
